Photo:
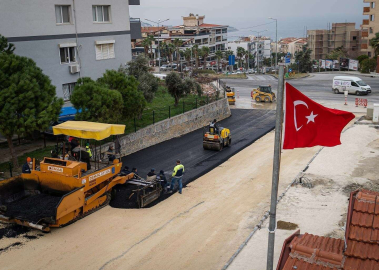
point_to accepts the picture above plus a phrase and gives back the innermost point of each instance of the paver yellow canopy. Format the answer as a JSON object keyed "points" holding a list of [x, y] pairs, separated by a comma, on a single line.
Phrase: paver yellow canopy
{"points": [[88, 130]]}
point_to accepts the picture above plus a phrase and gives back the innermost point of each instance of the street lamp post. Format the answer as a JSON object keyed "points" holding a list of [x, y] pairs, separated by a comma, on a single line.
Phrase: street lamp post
{"points": [[258, 47], [160, 34], [276, 44]]}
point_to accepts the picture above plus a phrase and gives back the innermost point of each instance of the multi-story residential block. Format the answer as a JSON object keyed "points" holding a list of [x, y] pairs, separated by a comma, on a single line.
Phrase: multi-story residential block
{"points": [[69, 39], [370, 26], [192, 32], [324, 41]]}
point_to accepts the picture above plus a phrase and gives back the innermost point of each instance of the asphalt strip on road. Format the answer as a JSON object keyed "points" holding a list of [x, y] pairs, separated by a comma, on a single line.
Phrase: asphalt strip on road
{"points": [[246, 126]]}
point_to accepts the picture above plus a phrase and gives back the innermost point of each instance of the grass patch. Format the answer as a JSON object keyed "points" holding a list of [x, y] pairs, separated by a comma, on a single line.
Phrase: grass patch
{"points": [[163, 107], [232, 76], [205, 71], [296, 76]]}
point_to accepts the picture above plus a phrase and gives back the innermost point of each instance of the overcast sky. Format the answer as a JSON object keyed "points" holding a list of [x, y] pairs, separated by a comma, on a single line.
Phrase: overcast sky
{"points": [[292, 15]]}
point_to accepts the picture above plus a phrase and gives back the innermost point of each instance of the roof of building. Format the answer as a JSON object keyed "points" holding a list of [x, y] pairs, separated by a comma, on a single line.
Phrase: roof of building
{"points": [[151, 29], [208, 25], [314, 252]]}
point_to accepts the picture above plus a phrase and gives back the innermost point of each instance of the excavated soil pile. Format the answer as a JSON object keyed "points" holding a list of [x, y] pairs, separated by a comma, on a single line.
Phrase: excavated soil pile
{"points": [[13, 231], [33, 208], [284, 225]]}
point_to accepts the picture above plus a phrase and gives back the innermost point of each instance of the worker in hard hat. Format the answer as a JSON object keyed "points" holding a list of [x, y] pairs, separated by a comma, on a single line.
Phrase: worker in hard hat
{"points": [[88, 150], [26, 166]]}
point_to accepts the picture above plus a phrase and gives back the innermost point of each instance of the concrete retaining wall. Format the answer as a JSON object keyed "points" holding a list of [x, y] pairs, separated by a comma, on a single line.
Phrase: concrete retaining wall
{"points": [[173, 127]]}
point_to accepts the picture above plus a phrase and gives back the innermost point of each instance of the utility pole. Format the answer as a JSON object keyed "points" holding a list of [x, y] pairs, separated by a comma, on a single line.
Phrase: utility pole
{"points": [[276, 44], [276, 170], [160, 35]]}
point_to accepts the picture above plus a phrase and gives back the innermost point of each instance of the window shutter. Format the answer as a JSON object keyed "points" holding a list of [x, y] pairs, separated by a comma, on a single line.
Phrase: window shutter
{"points": [[105, 51], [111, 51], [58, 14], [99, 55]]}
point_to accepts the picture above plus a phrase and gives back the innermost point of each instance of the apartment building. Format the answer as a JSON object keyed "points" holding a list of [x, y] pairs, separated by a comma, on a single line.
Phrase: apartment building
{"points": [[69, 39], [370, 26], [192, 32], [324, 41]]}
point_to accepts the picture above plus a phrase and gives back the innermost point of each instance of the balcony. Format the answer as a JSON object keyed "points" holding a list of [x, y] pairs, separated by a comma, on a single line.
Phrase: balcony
{"points": [[366, 22], [365, 34], [135, 28], [364, 46], [366, 10]]}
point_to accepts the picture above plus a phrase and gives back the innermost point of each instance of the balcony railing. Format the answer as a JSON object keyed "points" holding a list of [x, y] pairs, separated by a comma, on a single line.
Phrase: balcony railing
{"points": [[365, 34], [366, 22], [366, 9], [364, 46]]}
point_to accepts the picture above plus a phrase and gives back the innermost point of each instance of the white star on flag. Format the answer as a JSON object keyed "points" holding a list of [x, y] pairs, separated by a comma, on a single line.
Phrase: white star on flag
{"points": [[311, 118]]}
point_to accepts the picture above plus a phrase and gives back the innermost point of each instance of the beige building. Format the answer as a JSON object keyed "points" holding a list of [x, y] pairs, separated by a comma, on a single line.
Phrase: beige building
{"points": [[370, 26], [324, 41]]}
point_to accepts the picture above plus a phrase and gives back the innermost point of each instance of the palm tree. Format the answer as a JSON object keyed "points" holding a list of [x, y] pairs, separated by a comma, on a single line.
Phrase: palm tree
{"points": [[187, 56], [374, 43], [196, 52], [247, 55], [170, 52], [205, 53], [146, 43], [151, 40], [240, 54], [178, 43], [219, 56]]}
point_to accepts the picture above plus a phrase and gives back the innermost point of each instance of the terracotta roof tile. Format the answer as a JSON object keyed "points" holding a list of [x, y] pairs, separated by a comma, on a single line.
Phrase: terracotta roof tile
{"points": [[294, 263], [358, 233], [357, 264], [362, 250], [362, 219]]}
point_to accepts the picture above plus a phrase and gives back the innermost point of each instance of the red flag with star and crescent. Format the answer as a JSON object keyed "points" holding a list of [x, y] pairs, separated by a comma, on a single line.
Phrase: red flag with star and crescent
{"points": [[308, 123]]}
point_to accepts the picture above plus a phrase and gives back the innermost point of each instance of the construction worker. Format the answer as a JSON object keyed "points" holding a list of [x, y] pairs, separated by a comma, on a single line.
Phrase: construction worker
{"points": [[177, 175], [163, 180], [136, 176], [214, 125], [151, 176], [26, 167], [88, 150], [110, 153]]}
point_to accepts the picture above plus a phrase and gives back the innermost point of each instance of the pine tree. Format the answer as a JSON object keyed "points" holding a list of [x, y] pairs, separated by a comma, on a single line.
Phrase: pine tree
{"points": [[28, 100]]}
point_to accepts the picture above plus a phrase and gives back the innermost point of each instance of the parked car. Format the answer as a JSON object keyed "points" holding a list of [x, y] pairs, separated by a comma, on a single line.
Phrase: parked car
{"points": [[164, 68], [354, 85]]}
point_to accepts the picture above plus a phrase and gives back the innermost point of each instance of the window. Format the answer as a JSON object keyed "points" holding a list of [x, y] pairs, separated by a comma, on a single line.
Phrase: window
{"points": [[68, 89], [372, 4], [372, 17], [101, 13], [63, 14], [354, 38], [105, 51], [371, 30], [68, 55]]}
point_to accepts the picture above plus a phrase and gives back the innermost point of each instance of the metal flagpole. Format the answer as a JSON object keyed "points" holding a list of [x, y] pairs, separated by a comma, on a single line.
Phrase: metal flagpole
{"points": [[276, 170]]}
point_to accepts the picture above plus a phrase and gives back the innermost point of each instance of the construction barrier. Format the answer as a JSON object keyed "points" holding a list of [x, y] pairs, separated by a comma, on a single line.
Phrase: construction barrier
{"points": [[361, 102]]}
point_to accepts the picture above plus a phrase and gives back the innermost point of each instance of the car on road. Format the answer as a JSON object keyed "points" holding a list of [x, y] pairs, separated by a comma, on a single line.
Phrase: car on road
{"points": [[354, 85], [164, 68]]}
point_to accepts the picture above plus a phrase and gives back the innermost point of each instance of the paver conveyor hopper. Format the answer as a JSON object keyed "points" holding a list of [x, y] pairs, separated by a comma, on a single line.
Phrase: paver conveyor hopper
{"points": [[61, 191]]}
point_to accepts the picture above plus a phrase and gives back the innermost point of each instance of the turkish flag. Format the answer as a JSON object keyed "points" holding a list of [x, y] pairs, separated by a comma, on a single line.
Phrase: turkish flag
{"points": [[308, 123]]}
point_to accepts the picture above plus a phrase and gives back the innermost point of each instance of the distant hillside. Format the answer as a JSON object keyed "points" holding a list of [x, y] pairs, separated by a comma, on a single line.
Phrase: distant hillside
{"points": [[145, 24], [232, 29]]}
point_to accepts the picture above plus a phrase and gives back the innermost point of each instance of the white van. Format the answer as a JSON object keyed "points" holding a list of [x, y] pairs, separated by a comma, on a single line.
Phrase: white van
{"points": [[160, 76], [354, 85]]}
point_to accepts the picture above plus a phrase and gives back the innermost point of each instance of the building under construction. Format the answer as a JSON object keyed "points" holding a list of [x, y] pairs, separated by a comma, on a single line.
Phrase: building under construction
{"points": [[324, 41]]}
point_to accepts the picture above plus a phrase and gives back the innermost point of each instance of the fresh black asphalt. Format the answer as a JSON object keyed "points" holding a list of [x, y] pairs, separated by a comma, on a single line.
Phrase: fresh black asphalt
{"points": [[246, 126]]}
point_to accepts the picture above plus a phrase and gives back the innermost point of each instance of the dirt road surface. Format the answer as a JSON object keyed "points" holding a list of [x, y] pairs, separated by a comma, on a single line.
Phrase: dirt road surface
{"points": [[199, 229]]}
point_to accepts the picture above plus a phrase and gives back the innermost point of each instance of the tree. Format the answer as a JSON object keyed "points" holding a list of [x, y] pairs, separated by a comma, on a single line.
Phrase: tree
{"points": [[247, 54], [304, 59], [219, 56], [196, 52], [139, 68], [337, 53], [151, 40], [146, 44], [362, 57], [267, 61], [205, 53], [368, 65], [177, 43], [240, 54], [6, 47], [374, 43], [178, 88], [95, 102], [171, 50], [28, 100], [188, 56]]}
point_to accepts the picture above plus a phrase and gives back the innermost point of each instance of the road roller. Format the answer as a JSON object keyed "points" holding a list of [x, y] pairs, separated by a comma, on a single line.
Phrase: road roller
{"points": [[216, 138]]}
